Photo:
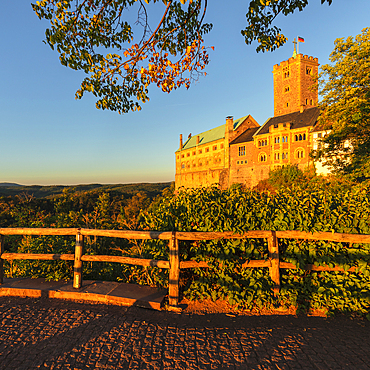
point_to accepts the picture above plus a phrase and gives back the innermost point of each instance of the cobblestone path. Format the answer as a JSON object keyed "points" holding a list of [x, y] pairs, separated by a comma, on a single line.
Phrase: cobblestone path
{"points": [[53, 334]]}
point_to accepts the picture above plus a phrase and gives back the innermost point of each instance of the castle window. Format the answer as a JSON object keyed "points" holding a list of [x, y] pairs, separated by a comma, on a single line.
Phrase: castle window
{"points": [[277, 140], [200, 151], [308, 70], [183, 165], [306, 101], [287, 105], [277, 156], [207, 150], [194, 152], [286, 89], [188, 154], [245, 162], [310, 101], [263, 157], [284, 139], [299, 153], [215, 147], [286, 72], [241, 151], [304, 136], [237, 162], [182, 155]]}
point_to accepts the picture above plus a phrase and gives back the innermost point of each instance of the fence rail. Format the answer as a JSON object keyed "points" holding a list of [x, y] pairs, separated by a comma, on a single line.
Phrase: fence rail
{"points": [[174, 264]]}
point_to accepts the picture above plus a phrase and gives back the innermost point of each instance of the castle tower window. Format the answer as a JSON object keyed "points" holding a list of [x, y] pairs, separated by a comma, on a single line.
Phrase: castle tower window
{"points": [[277, 139], [308, 70], [304, 136], [310, 101], [241, 150], [286, 89], [286, 72], [287, 104]]}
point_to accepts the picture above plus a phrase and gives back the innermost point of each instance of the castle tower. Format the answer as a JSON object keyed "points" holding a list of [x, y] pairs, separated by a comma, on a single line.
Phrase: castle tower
{"points": [[293, 81]]}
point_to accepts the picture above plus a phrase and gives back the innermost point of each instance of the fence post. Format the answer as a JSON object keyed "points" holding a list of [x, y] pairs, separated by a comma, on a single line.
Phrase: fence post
{"points": [[77, 268], [2, 248], [274, 258], [173, 283]]}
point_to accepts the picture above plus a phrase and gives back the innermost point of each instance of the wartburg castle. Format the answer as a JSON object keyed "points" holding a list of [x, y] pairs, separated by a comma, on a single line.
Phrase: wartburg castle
{"points": [[242, 151]]}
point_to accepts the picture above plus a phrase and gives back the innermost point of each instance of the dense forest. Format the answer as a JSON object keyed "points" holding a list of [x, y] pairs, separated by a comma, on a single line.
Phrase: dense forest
{"points": [[288, 200]]}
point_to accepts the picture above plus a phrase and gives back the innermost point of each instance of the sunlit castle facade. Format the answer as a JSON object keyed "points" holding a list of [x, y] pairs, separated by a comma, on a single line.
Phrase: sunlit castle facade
{"points": [[242, 151]]}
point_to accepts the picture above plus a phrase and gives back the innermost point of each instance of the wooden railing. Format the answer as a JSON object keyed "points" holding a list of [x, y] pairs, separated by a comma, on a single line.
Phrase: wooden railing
{"points": [[174, 264]]}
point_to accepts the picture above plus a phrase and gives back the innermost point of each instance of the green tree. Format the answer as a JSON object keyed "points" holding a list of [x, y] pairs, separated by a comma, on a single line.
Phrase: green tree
{"points": [[345, 107]]}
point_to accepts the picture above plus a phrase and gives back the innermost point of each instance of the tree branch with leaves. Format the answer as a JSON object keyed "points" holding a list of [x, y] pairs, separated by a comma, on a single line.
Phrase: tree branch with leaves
{"points": [[171, 56]]}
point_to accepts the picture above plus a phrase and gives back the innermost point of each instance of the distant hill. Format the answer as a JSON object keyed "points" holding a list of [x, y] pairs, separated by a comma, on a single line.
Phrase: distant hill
{"points": [[38, 191], [9, 184]]}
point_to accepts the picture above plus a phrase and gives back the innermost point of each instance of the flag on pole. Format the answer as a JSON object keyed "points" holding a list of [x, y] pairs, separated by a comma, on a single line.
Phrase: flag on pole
{"points": [[300, 39]]}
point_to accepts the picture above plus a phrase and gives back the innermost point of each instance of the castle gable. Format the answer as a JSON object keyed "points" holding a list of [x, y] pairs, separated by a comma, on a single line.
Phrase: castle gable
{"points": [[294, 120]]}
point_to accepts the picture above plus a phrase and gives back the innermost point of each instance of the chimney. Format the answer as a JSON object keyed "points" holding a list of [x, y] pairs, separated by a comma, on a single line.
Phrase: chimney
{"points": [[180, 141], [197, 139], [229, 129]]}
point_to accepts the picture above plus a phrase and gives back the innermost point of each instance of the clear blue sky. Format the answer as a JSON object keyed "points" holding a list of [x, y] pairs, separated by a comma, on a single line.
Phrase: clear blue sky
{"points": [[47, 137]]}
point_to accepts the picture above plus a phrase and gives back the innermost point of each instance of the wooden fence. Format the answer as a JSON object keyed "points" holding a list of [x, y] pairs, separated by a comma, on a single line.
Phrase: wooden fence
{"points": [[174, 264]]}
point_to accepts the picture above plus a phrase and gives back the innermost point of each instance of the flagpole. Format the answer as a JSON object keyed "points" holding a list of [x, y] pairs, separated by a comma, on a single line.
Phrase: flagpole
{"points": [[297, 44]]}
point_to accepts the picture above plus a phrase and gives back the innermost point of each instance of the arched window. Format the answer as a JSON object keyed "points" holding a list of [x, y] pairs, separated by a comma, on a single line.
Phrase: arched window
{"points": [[304, 136], [262, 157], [300, 137], [299, 153]]}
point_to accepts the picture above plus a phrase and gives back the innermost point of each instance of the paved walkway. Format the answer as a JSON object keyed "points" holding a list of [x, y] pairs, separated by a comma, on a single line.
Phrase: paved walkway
{"points": [[56, 334]]}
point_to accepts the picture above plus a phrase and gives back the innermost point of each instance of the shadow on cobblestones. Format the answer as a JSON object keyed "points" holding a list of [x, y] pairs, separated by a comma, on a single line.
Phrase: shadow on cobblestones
{"points": [[54, 334]]}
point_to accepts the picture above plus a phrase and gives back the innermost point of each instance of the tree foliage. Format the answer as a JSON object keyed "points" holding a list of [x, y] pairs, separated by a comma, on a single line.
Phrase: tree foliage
{"points": [[345, 107], [261, 16], [169, 56]]}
